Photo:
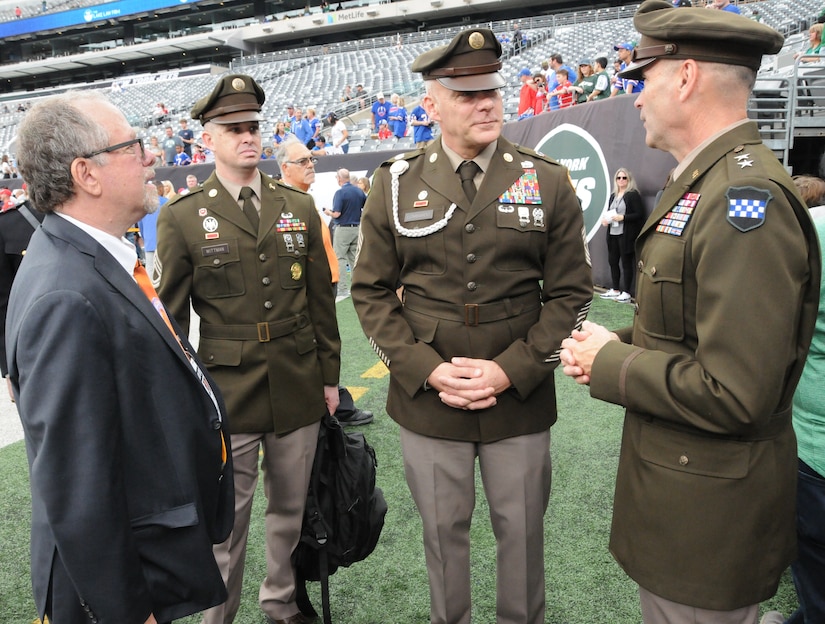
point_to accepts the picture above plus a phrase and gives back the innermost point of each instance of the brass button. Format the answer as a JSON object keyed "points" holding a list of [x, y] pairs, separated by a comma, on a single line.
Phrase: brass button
{"points": [[471, 258], [216, 261], [469, 228], [266, 281], [652, 271], [472, 286], [268, 305], [262, 257], [683, 460]]}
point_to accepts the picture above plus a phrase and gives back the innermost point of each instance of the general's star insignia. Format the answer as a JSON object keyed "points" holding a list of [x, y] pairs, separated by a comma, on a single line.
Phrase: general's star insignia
{"points": [[743, 160]]}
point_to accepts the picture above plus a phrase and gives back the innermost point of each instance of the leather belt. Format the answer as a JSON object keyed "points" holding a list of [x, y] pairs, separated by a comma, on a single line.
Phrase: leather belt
{"points": [[262, 332], [473, 314], [348, 225]]}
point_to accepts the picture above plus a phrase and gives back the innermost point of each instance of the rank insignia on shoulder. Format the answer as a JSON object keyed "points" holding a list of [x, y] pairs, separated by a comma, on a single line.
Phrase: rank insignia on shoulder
{"points": [[677, 218], [525, 190], [747, 207]]}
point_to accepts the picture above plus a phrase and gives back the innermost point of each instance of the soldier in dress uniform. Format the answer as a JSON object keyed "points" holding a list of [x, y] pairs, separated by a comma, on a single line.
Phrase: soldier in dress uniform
{"points": [[247, 251], [17, 224], [486, 239], [728, 282]]}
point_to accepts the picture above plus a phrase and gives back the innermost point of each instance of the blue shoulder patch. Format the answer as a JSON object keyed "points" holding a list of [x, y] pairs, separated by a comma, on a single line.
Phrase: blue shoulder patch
{"points": [[747, 207]]}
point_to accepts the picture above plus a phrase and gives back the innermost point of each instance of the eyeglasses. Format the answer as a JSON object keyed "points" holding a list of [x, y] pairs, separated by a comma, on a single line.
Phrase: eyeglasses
{"points": [[621, 177], [114, 148], [303, 162]]}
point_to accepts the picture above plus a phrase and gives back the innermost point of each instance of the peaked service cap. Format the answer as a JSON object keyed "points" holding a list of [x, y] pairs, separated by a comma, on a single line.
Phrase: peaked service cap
{"points": [[699, 34], [470, 62], [236, 98]]}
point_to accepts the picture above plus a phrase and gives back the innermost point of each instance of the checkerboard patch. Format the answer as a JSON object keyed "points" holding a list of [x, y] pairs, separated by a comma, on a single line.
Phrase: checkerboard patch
{"points": [[747, 207]]}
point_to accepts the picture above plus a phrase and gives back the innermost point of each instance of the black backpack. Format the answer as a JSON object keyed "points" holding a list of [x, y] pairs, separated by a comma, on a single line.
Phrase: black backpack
{"points": [[344, 513]]}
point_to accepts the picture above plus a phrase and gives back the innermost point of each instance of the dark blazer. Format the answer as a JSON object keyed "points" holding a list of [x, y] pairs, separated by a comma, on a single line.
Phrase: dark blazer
{"points": [[124, 443], [705, 491], [15, 233], [634, 219], [519, 269]]}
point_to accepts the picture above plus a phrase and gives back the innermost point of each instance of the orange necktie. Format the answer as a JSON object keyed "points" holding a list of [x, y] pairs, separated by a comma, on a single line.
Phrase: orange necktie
{"points": [[142, 279]]}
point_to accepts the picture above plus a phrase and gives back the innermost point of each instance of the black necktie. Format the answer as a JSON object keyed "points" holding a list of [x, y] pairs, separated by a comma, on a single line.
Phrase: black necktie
{"points": [[467, 172], [249, 207]]}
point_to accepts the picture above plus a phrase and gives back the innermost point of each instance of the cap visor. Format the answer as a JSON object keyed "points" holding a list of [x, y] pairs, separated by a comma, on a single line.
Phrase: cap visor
{"points": [[238, 117], [634, 70], [477, 82]]}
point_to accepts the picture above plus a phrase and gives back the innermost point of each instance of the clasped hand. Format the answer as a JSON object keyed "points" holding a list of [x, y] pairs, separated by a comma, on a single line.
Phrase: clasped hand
{"points": [[469, 383], [580, 350]]}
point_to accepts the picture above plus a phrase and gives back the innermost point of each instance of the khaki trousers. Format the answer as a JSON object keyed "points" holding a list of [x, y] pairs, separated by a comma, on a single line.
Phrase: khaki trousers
{"points": [[286, 464], [658, 610], [516, 475]]}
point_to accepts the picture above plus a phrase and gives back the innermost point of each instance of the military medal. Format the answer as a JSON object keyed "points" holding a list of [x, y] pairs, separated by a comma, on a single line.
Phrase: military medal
{"points": [[677, 218], [296, 271], [525, 190]]}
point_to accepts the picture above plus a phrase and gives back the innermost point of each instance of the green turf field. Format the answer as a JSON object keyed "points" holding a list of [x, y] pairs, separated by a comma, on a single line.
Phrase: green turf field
{"points": [[584, 584]]}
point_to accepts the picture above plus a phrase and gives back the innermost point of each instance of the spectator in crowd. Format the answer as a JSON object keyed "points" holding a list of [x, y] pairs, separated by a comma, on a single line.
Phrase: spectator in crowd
{"points": [[346, 95], [616, 84], [7, 168], [148, 227], [808, 569], [557, 63], [601, 90], [191, 184], [160, 113], [347, 204], [726, 5], [707, 384], [315, 124], [181, 158], [526, 95], [380, 110], [198, 154], [169, 144], [320, 147], [473, 389], [267, 154], [422, 127], [623, 221], [275, 394], [541, 92], [518, 39], [384, 130], [289, 117], [398, 118], [187, 136], [301, 128], [563, 91], [625, 52], [360, 95], [363, 184], [18, 12], [280, 132], [338, 135], [815, 43], [130, 479], [156, 150], [586, 81]]}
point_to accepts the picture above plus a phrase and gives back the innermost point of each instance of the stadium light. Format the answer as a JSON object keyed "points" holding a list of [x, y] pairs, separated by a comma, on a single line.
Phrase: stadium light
{"points": [[436, 3]]}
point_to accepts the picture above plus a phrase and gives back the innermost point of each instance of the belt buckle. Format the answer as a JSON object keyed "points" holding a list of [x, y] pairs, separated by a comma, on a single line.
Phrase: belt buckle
{"points": [[263, 332], [471, 314]]}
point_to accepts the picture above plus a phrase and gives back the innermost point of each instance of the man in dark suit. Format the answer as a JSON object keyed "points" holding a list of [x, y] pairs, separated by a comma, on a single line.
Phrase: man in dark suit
{"points": [[124, 430], [486, 239], [727, 295], [17, 224], [248, 253]]}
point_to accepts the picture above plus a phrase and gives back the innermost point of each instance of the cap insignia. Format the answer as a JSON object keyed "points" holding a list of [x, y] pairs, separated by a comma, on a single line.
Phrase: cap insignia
{"points": [[476, 40], [238, 84]]}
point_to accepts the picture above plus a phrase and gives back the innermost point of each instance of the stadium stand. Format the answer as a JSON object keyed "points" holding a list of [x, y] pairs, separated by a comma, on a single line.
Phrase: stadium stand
{"points": [[789, 100]]}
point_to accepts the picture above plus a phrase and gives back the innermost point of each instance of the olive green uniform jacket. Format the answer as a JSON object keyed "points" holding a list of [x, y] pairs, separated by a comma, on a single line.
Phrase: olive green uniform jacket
{"points": [[505, 280], [269, 334], [704, 513]]}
